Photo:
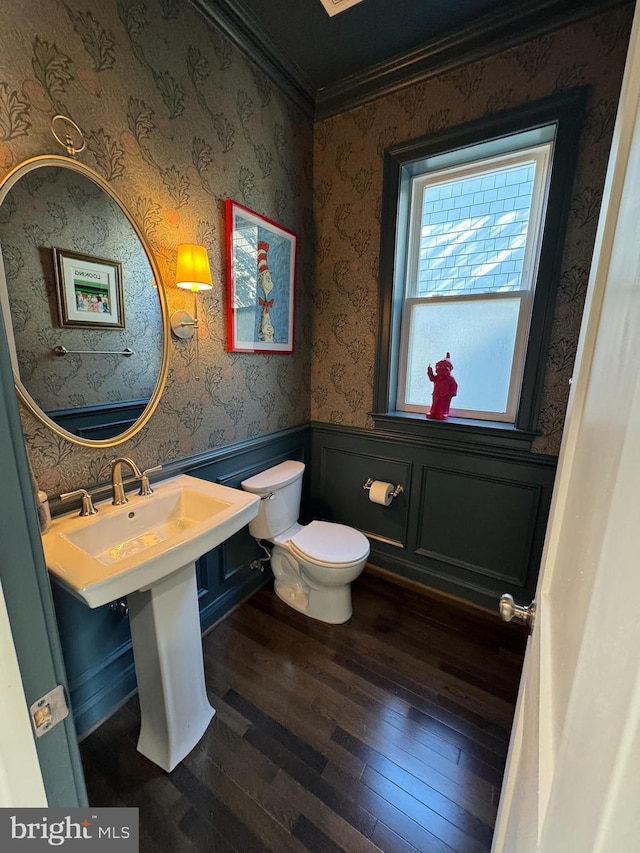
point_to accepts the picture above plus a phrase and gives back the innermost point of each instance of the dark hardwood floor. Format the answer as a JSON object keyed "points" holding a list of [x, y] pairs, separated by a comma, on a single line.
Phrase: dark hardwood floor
{"points": [[387, 733]]}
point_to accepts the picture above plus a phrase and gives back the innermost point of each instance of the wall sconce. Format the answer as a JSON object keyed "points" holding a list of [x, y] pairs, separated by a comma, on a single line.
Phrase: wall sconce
{"points": [[192, 273]]}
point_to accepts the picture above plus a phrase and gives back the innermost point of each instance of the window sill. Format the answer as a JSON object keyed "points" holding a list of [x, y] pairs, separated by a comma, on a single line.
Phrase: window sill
{"points": [[455, 430]]}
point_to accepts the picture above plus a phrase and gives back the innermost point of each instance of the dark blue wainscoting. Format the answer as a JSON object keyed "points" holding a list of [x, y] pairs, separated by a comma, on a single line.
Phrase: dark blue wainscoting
{"points": [[96, 644], [471, 521], [99, 422]]}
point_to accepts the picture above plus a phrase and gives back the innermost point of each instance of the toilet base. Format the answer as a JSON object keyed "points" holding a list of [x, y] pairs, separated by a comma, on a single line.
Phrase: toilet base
{"points": [[331, 605]]}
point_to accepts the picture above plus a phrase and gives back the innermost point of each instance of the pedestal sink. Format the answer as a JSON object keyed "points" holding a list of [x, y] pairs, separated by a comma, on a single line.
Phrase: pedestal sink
{"points": [[146, 550]]}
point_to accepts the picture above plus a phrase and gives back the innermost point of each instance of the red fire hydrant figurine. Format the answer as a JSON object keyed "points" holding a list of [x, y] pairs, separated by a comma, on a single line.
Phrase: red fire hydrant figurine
{"points": [[445, 388]]}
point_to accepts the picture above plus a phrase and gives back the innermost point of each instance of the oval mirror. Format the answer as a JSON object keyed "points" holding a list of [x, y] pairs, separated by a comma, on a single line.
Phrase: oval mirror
{"points": [[84, 307]]}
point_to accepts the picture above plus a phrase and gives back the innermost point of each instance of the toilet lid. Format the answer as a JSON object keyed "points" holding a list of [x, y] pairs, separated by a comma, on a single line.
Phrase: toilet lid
{"points": [[328, 542]]}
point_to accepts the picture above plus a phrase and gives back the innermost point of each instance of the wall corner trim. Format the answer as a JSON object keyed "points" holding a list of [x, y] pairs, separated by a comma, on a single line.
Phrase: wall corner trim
{"points": [[244, 32]]}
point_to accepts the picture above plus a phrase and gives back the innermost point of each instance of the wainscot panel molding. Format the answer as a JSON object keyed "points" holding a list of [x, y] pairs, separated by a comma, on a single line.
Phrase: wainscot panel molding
{"points": [[348, 471], [472, 519], [457, 526], [222, 462], [115, 682], [96, 644], [99, 422]]}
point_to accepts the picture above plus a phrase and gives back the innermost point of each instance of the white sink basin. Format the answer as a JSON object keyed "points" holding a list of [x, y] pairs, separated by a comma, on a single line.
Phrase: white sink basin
{"points": [[127, 548], [146, 550]]}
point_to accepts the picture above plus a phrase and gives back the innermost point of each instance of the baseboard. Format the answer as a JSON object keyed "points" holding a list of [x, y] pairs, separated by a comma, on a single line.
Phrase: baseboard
{"points": [[436, 594], [103, 719], [94, 711]]}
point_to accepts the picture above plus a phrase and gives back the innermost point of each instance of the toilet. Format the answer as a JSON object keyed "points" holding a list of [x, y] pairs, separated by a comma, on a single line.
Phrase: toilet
{"points": [[313, 564]]}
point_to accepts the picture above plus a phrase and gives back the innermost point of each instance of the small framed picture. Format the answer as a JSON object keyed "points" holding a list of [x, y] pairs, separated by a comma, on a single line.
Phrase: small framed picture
{"points": [[261, 279], [89, 291]]}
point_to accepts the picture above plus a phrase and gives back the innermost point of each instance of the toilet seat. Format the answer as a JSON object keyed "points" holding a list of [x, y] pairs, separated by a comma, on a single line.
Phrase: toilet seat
{"points": [[325, 543]]}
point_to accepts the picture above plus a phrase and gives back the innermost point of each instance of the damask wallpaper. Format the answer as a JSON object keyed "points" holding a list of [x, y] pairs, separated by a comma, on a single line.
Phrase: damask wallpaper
{"points": [[53, 207], [348, 161], [177, 119]]}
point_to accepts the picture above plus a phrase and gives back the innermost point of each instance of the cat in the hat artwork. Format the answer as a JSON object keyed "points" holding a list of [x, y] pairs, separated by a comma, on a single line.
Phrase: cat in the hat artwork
{"points": [[266, 331], [261, 276]]}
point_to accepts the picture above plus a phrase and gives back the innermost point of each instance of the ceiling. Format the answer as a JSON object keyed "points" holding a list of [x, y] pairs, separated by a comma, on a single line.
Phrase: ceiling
{"points": [[372, 46], [328, 49], [333, 7]]}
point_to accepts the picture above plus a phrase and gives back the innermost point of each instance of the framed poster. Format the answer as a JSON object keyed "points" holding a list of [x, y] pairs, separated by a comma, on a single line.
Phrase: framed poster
{"points": [[88, 291], [261, 278]]}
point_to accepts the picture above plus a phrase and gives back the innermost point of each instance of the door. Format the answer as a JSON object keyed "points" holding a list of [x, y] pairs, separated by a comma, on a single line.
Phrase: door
{"points": [[571, 784], [33, 631]]}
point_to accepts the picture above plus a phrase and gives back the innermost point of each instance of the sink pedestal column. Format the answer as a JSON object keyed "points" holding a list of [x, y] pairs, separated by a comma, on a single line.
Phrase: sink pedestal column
{"points": [[167, 649]]}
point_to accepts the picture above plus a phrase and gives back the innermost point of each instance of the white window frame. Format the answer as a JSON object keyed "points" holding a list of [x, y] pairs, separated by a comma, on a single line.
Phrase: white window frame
{"points": [[477, 163]]}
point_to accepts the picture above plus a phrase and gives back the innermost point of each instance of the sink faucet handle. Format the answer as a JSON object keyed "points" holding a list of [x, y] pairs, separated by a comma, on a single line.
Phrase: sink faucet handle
{"points": [[145, 486], [87, 507]]}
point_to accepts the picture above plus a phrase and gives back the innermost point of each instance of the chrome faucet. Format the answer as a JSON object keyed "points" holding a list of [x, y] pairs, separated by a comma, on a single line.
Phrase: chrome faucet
{"points": [[119, 496]]}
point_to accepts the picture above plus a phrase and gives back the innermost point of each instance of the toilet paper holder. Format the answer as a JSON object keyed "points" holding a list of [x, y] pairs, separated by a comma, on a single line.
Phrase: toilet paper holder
{"points": [[399, 490]]}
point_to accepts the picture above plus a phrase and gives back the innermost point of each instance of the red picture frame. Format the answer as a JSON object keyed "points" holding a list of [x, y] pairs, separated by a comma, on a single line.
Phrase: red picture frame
{"points": [[261, 282]]}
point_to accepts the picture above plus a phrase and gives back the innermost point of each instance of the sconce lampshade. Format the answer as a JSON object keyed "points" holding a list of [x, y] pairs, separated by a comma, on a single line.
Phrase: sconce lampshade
{"points": [[192, 267]]}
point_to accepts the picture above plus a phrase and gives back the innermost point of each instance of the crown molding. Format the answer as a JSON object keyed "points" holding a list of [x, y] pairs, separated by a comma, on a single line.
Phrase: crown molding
{"points": [[242, 29], [488, 35]]}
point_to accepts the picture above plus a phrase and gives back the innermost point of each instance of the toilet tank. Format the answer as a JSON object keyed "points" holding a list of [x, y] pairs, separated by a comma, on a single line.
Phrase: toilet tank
{"points": [[278, 513]]}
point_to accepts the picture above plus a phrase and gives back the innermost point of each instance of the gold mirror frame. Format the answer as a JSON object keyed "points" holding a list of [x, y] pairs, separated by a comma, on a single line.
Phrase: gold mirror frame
{"points": [[10, 180]]}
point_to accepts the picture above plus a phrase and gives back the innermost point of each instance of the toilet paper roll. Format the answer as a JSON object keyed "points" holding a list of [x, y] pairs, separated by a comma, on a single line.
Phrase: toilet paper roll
{"points": [[381, 493]]}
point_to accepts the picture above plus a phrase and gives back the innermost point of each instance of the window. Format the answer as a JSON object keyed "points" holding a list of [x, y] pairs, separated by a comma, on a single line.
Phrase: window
{"points": [[472, 229], [474, 240]]}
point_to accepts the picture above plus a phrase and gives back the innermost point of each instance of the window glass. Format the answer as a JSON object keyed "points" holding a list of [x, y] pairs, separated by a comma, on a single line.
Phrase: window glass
{"points": [[474, 236], [474, 232], [481, 335]]}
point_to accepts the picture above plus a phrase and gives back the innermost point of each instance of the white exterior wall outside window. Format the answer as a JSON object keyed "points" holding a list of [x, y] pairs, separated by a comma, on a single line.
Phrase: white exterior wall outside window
{"points": [[474, 241]]}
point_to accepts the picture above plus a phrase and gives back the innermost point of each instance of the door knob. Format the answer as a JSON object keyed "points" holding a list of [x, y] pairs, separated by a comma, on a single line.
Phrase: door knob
{"points": [[509, 610]]}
